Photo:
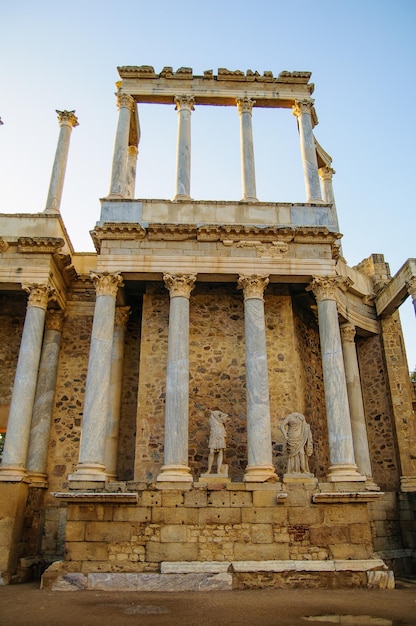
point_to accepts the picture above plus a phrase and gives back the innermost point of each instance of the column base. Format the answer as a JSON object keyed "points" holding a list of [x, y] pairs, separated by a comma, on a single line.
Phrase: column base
{"points": [[88, 476], [38, 479], [12, 474], [408, 483], [181, 196], [370, 485], [175, 474], [343, 473], [260, 474], [249, 199]]}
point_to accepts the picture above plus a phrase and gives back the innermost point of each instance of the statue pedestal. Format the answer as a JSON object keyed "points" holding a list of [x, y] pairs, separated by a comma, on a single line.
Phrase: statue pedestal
{"points": [[300, 478], [219, 477]]}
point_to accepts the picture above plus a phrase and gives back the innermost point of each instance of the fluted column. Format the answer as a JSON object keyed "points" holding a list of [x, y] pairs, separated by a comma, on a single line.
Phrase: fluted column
{"points": [[24, 388], [132, 153], [355, 400], [67, 121], [245, 106], [175, 467], [37, 455], [184, 106], [302, 109], [91, 468], [114, 400], [411, 290], [341, 449], [259, 440], [125, 105]]}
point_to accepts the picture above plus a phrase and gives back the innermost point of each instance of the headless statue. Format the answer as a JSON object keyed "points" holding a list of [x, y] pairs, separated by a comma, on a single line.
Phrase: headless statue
{"points": [[217, 437]]}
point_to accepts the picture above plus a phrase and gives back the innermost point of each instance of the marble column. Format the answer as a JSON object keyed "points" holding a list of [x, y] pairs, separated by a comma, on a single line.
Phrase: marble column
{"points": [[325, 174], [13, 467], [259, 440], [184, 106], [114, 399], [245, 106], [67, 121], [91, 467], [125, 105], [411, 290], [37, 455], [132, 153], [355, 401], [175, 467], [341, 448], [302, 109]]}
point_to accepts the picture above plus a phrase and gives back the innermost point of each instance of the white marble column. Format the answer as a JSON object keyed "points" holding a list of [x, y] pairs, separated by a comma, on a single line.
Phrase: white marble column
{"points": [[125, 105], [411, 290], [91, 468], [245, 106], [67, 121], [184, 106], [37, 455], [114, 399], [302, 109], [355, 401], [132, 153], [13, 467], [341, 449], [175, 467], [259, 440]]}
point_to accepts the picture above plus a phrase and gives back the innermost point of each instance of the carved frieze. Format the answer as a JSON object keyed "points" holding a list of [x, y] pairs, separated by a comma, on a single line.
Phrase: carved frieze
{"points": [[3, 245], [253, 286], [275, 249], [179, 285], [47, 245], [171, 232]]}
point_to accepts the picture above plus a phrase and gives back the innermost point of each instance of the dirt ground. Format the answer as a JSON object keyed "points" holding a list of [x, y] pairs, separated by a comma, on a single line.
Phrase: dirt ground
{"points": [[27, 605]]}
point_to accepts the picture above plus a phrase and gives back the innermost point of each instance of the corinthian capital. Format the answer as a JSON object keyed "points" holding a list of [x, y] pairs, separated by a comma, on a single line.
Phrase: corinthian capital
{"points": [[348, 332], [326, 287], [302, 106], [54, 319], [67, 118], [107, 284], [184, 102], [179, 284], [125, 100], [253, 286], [122, 315], [39, 295], [245, 105], [326, 172]]}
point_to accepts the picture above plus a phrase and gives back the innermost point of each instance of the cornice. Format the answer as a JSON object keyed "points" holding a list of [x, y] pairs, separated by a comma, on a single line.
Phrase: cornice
{"points": [[43, 245]]}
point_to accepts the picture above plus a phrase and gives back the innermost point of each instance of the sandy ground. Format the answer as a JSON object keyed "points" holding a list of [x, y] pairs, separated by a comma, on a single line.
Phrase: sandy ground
{"points": [[27, 605]]}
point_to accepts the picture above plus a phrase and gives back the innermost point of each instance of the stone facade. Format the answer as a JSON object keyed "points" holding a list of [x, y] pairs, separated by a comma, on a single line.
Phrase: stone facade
{"points": [[230, 306]]}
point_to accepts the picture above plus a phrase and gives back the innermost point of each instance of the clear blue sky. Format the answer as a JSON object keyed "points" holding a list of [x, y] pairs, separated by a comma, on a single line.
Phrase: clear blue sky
{"points": [[362, 57]]}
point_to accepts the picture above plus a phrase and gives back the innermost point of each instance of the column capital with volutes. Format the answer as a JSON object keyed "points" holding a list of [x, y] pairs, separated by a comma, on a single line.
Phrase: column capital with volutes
{"points": [[179, 285], [107, 284], [245, 105], [67, 118], [253, 286], [326, 172], [54, 320], [348, 332], [303, 106], [326, 287], [39, 295], [125, 101], [184, 102]]}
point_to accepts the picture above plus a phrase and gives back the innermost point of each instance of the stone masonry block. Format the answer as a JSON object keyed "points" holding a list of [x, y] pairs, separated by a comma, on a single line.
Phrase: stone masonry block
{"points": [[262, 533], [132, 514], [151, 498], [156, 552], [360, 533], [171, 515], [264, 498], [173, 533], [299, 515], [219, 498], [264, 515], [75, 531], [108, 531], [196, 498], [329, 535], [86, 551], [241, 498], [172, 498], [219, 516], [350, 551], [345, 514], [260, 552], [90, 512]]}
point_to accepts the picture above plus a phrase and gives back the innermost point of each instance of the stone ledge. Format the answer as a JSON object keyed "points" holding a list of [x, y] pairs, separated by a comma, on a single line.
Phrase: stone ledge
{"points": [[187, 567], [82, 497], [342, 497], [309, 566]]}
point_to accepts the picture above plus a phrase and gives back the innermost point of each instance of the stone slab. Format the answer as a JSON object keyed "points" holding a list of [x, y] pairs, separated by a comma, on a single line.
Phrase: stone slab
{"points": [[194, 567], [358, 565], [160, 582]]}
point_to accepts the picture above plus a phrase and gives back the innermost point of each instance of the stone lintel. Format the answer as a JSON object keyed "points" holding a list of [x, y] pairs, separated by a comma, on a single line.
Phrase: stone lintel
{"points": [[395, 292], [81, 497], [341, 497]]}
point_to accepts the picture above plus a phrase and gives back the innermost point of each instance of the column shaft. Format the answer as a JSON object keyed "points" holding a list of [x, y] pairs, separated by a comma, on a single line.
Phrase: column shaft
{"points": [[341, 449], [175, 468], [114, 400], [184, 106], [245, 106], [37, 455], [94, 424], [259, 441], [18, 428], [125, 104], [325, 174], [131, 171], [302, 110], [67, 120]]}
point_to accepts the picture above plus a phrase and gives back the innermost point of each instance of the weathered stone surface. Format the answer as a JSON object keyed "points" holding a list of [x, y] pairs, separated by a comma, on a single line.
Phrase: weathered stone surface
{"points": [[70, 582], [160, 582], [184, 567]]}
